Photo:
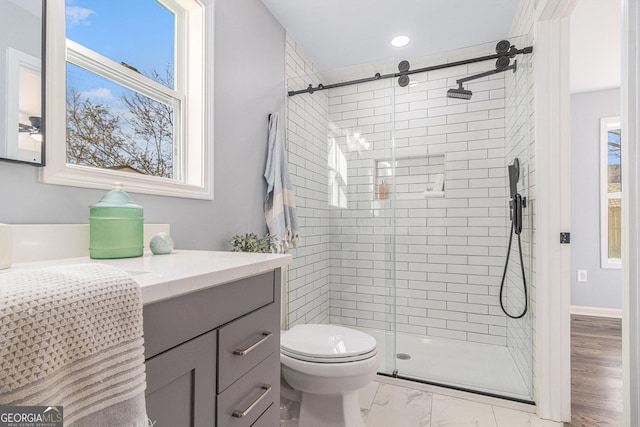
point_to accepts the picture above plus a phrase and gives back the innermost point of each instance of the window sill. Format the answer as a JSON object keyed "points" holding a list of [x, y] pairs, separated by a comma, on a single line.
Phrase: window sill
{"points": [[76, 176]]}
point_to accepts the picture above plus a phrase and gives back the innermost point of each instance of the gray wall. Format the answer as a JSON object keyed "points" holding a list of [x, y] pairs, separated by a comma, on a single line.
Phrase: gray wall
{"points": [[604, 286], [249, 84]]}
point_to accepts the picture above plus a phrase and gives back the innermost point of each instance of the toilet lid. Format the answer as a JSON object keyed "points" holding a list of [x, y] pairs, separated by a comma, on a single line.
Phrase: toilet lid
{"points": [[326, 341]]}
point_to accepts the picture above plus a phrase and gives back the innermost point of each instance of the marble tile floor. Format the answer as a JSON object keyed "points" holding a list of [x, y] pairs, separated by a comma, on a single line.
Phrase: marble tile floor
{"points": [[398, 404]]}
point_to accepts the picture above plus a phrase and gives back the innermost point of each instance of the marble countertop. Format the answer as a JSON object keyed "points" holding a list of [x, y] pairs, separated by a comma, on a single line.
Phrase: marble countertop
{"points": [[183, 271]]}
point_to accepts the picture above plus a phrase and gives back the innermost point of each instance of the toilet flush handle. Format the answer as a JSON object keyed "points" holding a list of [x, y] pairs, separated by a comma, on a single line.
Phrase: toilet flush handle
{"points": [[243, 351]]}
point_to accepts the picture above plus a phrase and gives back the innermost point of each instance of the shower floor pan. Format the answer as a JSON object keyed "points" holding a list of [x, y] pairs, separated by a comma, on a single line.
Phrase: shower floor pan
{"points": [[488, 369]]}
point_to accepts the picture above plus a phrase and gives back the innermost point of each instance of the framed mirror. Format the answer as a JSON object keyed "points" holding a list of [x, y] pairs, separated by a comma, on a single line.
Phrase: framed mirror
{"points": [[22, 137]]}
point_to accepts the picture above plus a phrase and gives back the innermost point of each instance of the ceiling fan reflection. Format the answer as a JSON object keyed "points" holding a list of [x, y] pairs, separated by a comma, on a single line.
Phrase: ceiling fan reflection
{"points": [[33, 128]]}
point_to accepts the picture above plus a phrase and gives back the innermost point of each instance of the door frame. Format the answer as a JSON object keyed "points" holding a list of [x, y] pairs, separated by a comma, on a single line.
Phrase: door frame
{"points": [[630, 212], [552, 209]]}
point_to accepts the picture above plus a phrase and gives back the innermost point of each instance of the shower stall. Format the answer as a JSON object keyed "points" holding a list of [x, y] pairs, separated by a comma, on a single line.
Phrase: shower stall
{"points": [[414, 187]]}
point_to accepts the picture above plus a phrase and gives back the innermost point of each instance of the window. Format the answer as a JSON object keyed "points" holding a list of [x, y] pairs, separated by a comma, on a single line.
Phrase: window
{"points": [[610, 192], [131, 81]]}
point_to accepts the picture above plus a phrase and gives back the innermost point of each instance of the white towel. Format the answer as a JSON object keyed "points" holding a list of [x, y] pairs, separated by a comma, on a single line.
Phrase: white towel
{"points": [[72, 336], [280, 206]]}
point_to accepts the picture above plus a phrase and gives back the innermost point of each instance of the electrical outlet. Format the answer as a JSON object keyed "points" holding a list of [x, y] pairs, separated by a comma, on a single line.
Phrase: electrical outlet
{"points": [[582, 275]]}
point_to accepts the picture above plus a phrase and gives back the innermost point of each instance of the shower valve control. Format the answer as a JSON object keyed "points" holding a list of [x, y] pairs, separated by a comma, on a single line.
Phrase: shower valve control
{"points": [[565, 238]]}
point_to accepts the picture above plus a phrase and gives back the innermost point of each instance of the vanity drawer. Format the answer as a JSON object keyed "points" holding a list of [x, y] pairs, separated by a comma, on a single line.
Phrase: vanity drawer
{"points": [[245, 342], [249, 397], [270, 417], [174, 321]]}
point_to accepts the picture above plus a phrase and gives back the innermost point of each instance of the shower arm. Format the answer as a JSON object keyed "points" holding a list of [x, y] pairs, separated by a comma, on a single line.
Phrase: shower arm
{"points": [[487, 73], [509, 54]]}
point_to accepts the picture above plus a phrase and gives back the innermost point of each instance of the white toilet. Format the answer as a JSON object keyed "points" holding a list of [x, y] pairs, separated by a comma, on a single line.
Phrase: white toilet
{"points": [[327, 365]]}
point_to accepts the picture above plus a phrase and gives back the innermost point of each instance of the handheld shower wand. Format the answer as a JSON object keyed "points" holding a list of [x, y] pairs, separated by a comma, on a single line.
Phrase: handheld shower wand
{"points": [[516, 199], [516, 203]]}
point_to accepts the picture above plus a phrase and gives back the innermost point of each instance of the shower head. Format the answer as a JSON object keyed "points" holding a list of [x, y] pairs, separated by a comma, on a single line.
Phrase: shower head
{"points": [[502, 65], [459, 93]]}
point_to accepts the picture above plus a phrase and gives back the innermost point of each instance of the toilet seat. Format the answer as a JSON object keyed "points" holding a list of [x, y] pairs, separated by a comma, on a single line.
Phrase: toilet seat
{"points": [[331, 370], [327, 344], [317, 359]]}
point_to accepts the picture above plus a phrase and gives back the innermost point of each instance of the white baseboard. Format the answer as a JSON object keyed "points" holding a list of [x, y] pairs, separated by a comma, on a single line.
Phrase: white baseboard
{"points": [[597, 311]]}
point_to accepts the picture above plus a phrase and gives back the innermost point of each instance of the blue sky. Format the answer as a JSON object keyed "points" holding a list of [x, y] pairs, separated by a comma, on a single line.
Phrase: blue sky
{"points": [[138, 32]]}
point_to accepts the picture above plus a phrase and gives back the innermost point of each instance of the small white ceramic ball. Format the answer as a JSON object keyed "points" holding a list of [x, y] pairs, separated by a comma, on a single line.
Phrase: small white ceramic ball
{"points": [[161, 244]]}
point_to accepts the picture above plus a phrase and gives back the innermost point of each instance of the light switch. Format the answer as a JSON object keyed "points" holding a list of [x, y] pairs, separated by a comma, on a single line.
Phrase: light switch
{"points": [[582, 275]]}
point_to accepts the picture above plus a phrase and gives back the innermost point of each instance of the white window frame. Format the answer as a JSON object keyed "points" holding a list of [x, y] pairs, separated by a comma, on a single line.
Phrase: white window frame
{"points": [[193, 88], [606, 124]]}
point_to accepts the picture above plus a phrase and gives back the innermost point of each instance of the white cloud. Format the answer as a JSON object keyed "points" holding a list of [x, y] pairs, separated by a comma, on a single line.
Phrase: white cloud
{"points": [[101, 93], [76, 15]]}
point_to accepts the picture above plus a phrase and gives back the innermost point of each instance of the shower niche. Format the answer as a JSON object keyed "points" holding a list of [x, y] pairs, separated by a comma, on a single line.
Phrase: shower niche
{"points": [[413, 178]]}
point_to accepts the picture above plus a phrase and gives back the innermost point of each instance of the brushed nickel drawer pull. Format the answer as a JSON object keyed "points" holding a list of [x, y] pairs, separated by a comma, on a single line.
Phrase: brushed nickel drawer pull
{"points": [[240, 414], [242, 351]]}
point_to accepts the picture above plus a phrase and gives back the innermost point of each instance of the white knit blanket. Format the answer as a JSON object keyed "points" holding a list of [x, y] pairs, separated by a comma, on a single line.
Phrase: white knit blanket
{"points": [[72, 336]]}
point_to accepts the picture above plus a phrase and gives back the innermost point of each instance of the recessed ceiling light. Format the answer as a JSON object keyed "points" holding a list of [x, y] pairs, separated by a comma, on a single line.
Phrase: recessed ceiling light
{"points": [[400, 41]]}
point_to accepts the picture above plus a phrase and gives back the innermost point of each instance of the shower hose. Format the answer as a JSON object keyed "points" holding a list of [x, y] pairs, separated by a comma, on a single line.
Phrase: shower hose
{"points": [[504, 275]]}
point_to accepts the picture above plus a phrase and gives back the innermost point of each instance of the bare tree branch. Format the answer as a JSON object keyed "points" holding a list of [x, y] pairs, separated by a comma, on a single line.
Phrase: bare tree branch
{"points": [[140, 140]]}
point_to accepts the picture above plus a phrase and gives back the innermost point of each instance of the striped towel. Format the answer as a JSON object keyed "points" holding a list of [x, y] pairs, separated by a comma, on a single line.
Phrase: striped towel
{"points": [[280, 206], [72, 336]]}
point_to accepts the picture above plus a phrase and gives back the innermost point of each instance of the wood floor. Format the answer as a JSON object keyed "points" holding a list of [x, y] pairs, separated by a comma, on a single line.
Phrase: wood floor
{"points": [[596, 372]]}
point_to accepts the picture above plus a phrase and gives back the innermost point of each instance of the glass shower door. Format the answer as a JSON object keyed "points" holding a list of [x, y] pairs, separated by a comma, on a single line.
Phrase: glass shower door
{"points": [[342, 165], [453, 225]]}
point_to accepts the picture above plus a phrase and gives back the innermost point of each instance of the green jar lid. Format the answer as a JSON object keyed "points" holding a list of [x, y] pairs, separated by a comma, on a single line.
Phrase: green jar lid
{"points": [[116, 198]]}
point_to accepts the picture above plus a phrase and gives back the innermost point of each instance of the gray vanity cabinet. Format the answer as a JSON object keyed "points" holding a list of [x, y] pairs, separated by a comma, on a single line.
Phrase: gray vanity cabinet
{"points": [[212, 356], [179, 391]]}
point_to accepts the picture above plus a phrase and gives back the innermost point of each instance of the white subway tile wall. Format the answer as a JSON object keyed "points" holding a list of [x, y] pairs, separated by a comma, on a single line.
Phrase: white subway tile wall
{"points": [[519, 335], [361, 219], [449, 252], [307, 123], [523, 108]]}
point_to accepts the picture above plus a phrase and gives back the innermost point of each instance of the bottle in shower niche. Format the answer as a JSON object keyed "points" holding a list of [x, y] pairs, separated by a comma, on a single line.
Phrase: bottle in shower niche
{"points": [[382, 191], [116, 226]]}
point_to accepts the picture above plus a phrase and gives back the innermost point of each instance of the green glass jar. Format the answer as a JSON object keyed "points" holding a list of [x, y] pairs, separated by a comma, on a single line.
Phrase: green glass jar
{"points": [[116, 227]]}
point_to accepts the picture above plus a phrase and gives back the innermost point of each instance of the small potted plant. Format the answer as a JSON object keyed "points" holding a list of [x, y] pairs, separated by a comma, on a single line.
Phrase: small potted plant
{"points": [[250, 242]]}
